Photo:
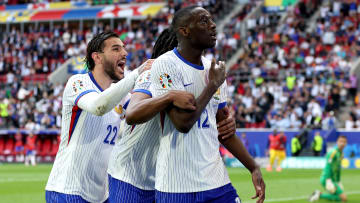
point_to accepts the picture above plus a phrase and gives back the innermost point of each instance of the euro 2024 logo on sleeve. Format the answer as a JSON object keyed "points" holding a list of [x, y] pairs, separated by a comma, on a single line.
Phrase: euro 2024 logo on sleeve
{"points": [[165, 80], [78, 85]]}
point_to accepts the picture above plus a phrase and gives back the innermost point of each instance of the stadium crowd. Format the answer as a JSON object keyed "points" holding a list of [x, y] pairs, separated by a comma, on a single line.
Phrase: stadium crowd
{"points": [[289, 77], [286, 78]]}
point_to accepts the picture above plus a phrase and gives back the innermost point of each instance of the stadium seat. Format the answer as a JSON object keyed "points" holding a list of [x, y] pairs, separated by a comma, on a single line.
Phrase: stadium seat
{"points": [[2, 146], [38, 149], [9, 147], [54, 148], [46, 148]]}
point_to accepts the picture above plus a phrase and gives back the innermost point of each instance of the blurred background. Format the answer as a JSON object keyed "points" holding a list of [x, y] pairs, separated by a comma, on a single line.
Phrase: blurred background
{"points": [[293, 69]]}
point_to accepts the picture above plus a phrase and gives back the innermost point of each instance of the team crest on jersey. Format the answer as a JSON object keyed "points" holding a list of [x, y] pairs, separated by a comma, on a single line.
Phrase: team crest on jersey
{"points": [[78, 85], [119, 110], [165, 80], [217, 94]]}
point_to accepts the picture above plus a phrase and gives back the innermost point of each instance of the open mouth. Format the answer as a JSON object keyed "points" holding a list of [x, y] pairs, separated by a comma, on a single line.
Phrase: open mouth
{"points": [[121, 65]]}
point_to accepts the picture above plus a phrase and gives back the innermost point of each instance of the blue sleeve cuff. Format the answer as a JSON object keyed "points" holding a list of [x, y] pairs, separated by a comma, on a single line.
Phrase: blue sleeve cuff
{"points": [[222, 105], [82, 94], [143, 91]]}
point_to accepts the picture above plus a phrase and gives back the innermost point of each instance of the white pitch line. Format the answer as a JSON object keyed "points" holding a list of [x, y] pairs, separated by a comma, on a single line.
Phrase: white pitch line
{"points": [[6, 180], [295, 198]]}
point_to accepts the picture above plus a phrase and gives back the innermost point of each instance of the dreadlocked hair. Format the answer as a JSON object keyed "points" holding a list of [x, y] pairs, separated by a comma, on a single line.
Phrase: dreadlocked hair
{"points": [[168, 39], [164, 43]]}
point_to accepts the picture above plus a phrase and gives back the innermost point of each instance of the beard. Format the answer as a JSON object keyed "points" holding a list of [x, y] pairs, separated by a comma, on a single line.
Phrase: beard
{"points": [[110, 70]]}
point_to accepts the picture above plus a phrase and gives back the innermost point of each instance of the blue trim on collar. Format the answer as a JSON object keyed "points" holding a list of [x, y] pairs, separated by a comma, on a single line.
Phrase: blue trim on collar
{"points": [[187, 62], [94, 81]]}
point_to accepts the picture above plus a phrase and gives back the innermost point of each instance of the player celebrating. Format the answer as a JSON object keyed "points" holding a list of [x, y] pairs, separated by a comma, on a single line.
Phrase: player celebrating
{"points": [[330, 177], [133, 160], [189, 167], [89, 123]]}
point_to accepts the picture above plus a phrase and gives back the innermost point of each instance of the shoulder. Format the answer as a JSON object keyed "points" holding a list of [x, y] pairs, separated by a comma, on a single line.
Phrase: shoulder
{"points": [[332, 153], [166, 58], [78, 78], [144, 77]]}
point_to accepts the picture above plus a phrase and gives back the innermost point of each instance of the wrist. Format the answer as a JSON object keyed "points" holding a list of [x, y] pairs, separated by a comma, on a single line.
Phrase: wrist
{"points": [[256, 168], [170, 97], [212, 87]]}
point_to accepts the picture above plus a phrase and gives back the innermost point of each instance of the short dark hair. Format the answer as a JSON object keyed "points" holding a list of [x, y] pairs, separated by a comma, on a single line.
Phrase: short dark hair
{"points": [[97, 45], [342, 136]]}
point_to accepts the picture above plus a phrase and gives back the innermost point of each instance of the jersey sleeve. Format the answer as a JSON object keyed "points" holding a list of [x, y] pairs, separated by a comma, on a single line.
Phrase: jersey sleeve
{"points": [[223, 95], [165, 77], [76, 87], [143, 83]]}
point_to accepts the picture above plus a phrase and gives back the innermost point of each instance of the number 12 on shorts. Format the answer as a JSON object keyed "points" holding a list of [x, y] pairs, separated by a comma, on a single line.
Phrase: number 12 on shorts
{"points": [[111, 134]]}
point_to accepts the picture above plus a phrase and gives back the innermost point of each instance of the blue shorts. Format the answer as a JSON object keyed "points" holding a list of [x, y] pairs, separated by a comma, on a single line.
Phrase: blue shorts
{"points": [[56, 197], [30, 152], [19, 148], [123, 192], [224, 194]]}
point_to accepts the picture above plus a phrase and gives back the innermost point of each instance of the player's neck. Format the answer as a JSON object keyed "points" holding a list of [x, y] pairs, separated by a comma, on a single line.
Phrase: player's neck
{"points": [[190, 53], [101, 78]]}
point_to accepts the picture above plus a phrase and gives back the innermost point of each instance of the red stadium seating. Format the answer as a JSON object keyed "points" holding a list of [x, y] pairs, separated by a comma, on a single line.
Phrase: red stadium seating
{"points": [[46, 147], [9, 147], [55, 148], [2, 146]]}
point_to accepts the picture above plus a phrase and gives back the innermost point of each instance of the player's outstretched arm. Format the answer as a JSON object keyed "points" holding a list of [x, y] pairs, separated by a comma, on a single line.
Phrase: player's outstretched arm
{"points": [[101, 103], [236, 147], [184, 120], [143, 107]]}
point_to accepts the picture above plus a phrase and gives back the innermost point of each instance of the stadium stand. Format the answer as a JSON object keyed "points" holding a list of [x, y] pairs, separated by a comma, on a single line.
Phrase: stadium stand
{"points": [[294, 71]]}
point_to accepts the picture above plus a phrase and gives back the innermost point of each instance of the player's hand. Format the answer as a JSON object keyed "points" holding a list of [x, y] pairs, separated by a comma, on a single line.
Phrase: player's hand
{"points": [[226, 127], [330, 186], [145, 66], [217, 75], [259, 185], [183, 100]]}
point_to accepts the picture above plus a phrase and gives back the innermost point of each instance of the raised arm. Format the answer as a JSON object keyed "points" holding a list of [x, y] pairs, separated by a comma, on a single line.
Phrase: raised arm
{"points": [[101, 103]]}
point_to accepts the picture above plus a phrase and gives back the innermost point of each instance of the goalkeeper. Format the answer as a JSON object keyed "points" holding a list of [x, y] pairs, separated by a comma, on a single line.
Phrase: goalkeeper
{"points": [[330, 177]]}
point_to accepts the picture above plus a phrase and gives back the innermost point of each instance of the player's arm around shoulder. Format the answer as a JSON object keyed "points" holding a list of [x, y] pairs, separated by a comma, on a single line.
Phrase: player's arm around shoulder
{"points": [[103, 102], [143, 106]]}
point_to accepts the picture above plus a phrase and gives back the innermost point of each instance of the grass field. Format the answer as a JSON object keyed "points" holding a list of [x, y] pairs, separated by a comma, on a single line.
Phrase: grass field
{"points": [[20, 184]]}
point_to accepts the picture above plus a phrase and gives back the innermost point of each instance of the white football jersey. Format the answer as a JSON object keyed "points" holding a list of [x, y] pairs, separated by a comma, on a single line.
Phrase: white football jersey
{"points": [[133, 159], [86, 143], [188, 162]]}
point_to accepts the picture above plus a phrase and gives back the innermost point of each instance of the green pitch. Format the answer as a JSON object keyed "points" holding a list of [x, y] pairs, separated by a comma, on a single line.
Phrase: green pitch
{"points": [[20, 184]]}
